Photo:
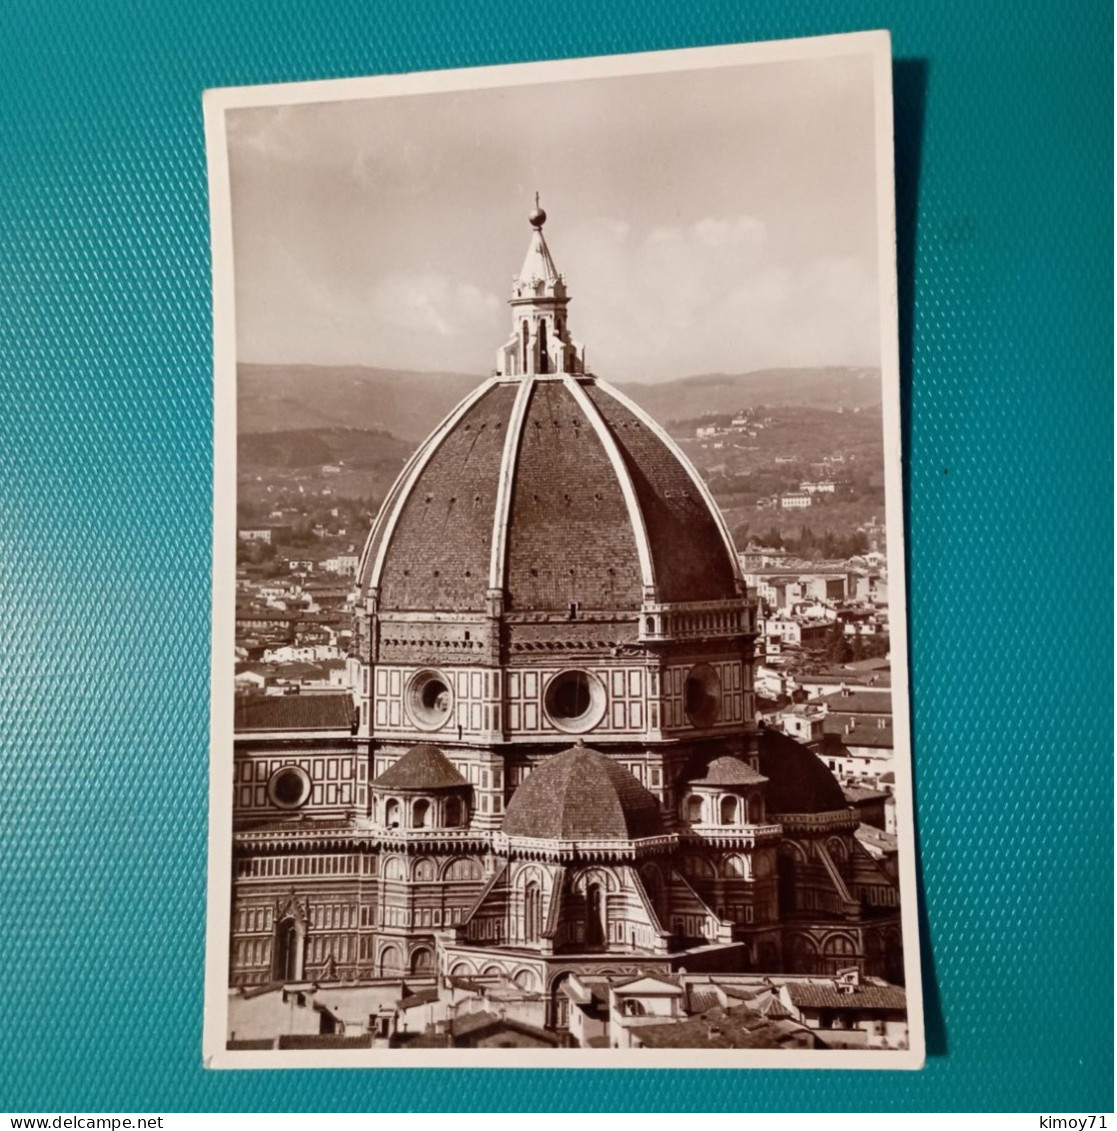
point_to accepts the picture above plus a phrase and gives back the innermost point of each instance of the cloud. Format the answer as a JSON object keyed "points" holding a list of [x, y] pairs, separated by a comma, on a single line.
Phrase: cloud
{"points": [[431, 303], [716, 294]]}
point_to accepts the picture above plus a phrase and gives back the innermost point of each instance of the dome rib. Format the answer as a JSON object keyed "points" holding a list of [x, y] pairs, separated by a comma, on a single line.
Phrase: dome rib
{"points": [[582, 794], [620, 470], [502, 513], [604, 389]]}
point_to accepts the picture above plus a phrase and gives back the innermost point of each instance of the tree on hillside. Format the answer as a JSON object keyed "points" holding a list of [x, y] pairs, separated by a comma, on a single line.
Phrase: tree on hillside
{"points": [[837, 647]]}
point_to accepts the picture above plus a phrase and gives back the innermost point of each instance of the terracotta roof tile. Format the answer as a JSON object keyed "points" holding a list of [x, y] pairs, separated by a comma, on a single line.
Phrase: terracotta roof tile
{"points": [[812, 996], [293, 713]]}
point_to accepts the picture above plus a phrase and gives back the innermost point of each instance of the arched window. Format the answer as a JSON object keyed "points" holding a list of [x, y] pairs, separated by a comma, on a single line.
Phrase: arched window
{"points": [[422, 962], [392, 813], [694, 809], [289, 949], [542, 345], [524, 327], [526, 980], [804, 956], [597, 928], [454, 812], [734, 867], [533, 912], [391, 962], [420, 813], [839, 953], [729, 810], [463, 869], [560, 1003], [424, 870]]}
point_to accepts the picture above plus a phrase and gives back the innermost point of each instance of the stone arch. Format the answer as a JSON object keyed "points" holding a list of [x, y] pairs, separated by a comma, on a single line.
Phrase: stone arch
{"points": [[603, 877], [729, 808], [424, 869], [422, 813], [461, 868], [393, 813], [559, 1003], [735, 867], [289, 949], [455, 813], [526, 979], [692, 809], [422, 962], [462, 970], [533, 911], [596, 915], [394, 868], [492, 971], [391, 961]]}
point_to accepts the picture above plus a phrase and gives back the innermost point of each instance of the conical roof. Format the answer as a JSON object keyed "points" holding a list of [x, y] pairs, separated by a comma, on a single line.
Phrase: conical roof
{"points": [[538, 263], [581, 794], [728, 770], [422, 767]]}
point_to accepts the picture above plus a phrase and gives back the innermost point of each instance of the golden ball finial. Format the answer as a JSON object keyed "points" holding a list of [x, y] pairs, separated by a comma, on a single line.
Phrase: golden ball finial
{"points": [[538, 217]]}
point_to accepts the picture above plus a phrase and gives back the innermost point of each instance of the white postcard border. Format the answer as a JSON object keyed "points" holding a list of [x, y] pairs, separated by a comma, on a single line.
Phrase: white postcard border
{"points": [[216, 103]]}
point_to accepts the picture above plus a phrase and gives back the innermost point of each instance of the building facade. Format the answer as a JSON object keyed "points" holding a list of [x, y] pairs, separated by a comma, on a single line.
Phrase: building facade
{"points": [[555, 767]]}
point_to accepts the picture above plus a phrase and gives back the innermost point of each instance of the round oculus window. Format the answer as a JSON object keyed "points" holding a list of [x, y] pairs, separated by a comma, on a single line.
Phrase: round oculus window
{"points": [[430, 701], [702, 695], [575, 700], [289, 787]]}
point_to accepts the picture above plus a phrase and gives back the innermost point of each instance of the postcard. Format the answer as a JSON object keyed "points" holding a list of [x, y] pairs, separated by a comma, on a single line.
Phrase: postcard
{"points": [[560, 685]]}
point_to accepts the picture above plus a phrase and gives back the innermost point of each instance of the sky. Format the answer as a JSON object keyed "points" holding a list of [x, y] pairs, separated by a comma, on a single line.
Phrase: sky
{"points": [[706, 221]]}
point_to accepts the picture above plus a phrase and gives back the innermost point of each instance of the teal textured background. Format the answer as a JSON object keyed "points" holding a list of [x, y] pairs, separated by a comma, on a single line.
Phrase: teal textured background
{"points": [[1005, 178]]}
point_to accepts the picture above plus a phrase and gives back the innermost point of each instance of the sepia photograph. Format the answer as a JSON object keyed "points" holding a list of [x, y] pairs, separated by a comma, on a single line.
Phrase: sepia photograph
{"points": [[560, 682]]}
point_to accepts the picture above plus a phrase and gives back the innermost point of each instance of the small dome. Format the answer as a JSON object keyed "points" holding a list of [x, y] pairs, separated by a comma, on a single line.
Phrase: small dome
{"points": [[728, 771], [581, 794], [422, 767], [798, 780]]}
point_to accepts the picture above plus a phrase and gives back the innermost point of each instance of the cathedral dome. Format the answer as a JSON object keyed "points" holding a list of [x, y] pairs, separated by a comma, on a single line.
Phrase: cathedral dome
{"points": [[581, 794], [798, 780], [557, 492]]}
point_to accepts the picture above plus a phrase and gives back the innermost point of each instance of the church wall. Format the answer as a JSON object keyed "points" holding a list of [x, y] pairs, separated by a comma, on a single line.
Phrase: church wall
{"points": [[337, 775], [330, 892]]}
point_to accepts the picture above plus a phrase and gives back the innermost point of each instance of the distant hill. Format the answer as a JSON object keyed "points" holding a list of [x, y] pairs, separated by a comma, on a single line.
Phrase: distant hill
{"points": [[691, 397], [286, 398], [354, 448]]}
